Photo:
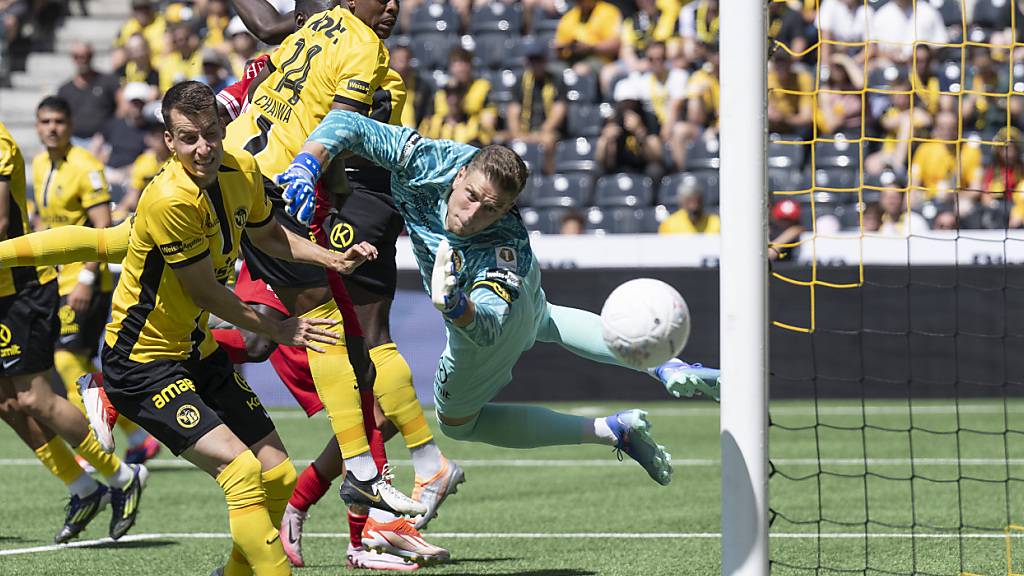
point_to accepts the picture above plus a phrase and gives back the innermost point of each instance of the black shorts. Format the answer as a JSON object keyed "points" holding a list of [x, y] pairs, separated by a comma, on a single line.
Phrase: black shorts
{"points": [[28, 329], [276, 272], [179, 402], [369, 215], [84, 332]]}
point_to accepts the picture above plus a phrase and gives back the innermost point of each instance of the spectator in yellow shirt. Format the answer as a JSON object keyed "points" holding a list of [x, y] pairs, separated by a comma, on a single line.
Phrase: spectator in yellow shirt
{"points": [[185, 62], [690, 218], [145, 20], [934, 173], [244, 47], [138, 65], [589, 35]]}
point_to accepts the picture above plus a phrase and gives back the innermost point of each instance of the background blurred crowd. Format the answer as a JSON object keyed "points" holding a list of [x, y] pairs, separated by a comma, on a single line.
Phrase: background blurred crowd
{"points": [[889, 122]]}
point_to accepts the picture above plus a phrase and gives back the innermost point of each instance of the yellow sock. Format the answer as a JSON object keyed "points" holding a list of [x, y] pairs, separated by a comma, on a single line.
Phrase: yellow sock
{"points": [[66, 244], [279, 482], [397, 397], [70, 367], [337, 386], [105, 464], [59, 460], [251, 530]]}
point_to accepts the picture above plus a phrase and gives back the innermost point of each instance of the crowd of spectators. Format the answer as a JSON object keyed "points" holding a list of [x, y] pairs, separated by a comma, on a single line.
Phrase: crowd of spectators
{"points": [[614, 103]]}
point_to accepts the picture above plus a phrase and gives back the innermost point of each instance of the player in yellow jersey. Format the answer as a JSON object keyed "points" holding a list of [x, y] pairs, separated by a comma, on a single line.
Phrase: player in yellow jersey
{"points": [[70, 189], [334, 60], [161, 367], [28, 330]]}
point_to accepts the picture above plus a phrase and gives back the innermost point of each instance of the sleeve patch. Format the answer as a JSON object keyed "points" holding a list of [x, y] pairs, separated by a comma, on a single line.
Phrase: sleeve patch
{"points": [[179, 246], [96, 180], [506, 258], [502, 282], [359, 86]]}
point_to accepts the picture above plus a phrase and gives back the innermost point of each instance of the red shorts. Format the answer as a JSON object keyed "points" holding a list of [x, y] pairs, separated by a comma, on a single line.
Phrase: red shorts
{"points": [[289, 362]]}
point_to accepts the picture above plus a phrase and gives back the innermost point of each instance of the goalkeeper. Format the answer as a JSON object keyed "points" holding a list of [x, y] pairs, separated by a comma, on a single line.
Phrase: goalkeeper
{"points": [[476, 262]]}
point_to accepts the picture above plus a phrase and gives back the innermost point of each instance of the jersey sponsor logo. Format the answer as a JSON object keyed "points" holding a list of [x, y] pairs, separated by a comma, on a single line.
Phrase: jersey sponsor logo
{"points": [[179, 246], [8, 350], [8, 363], [273, 108], [506, 257], [241, 217], [342, 235], [502, 282], [187, 416], [240, 380], [358, 86], [5, 335], [172, 391], [68, 325]]}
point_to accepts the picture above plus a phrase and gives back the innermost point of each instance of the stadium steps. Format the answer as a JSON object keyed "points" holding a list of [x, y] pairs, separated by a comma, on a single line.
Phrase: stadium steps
{"points": [[46, 71]]}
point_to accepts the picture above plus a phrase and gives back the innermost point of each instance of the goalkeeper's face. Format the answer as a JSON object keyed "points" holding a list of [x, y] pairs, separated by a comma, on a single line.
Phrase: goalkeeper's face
{"points": [[475, 203]]}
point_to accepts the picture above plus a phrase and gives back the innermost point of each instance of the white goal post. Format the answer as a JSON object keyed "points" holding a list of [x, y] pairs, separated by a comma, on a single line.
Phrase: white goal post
{"points": [[744, 287]]}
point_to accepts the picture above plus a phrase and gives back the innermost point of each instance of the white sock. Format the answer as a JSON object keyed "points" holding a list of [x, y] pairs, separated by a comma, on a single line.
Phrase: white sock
{"points": [[137, 437], [381, 516], [426, 460], [121, 477], [83, 486], [603, 432], [362, 466]]}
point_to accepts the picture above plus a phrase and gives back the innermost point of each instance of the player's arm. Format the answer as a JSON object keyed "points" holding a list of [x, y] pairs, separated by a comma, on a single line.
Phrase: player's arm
{"points": [[274, 240], [65, 245], [5, 203], [200, 283], [264, 21], [96, 199]]}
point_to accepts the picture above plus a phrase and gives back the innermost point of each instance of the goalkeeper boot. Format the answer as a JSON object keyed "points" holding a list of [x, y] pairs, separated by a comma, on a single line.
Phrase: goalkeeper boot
{"points": [[682, 379], [125, 501], [433, 491], [366, 559], [400, 538], [632, 436], [81, 511], [378, 493], [98, 410], [291, 534]]}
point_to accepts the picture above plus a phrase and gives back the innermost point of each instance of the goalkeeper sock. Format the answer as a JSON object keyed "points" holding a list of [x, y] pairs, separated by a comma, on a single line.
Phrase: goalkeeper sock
{"points": [[356, 523], [579, 332], [520, 426], [232, 342], [336, 383], [309, 489], [279, 483], [251, 530], [397, 397]]}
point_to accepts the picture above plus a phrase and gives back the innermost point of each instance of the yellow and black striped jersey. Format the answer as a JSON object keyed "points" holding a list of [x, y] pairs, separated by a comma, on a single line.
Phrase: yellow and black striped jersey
{"points": [[12, 171], [177, 224], [334, 57], [64, 193]]}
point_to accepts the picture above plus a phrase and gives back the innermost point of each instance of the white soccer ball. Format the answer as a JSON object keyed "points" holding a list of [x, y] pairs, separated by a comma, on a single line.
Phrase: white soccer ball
{"points": [[645, 322]]}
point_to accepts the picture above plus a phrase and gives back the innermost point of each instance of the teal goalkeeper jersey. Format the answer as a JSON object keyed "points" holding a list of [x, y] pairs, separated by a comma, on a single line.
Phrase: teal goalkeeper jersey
{"points": [[496, 266]]}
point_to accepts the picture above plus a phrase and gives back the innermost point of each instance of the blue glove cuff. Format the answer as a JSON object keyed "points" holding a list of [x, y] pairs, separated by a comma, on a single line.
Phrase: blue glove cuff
{"points": [[309, 162], [459, 308]]}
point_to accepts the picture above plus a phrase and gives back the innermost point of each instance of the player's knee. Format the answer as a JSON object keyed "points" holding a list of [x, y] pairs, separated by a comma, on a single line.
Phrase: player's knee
{"points": [[258, 348], [457, 429], [242, 481], [34, 402]]}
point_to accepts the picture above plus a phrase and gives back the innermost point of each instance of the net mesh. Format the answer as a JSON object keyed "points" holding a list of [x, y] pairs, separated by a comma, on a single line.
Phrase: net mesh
{"points": [[896, 424]]}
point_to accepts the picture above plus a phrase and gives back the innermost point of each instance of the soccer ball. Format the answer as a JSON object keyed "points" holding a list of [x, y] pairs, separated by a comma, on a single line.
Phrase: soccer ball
{"points": [[645, 322]]}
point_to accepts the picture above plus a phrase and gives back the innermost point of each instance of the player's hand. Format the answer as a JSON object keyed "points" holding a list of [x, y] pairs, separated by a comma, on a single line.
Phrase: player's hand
{"points": [[444, 284], [346, 262], [79, 298], [682, 379], [299, 187], [306, 332]]}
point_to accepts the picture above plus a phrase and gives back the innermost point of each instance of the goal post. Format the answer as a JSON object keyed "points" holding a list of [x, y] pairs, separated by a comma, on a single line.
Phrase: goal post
{"points": [[744, 287]]}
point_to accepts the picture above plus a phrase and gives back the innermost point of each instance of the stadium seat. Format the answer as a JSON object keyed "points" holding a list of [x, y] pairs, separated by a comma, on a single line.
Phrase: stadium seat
{"points": [[836, 178], [781, 155], [838, 154], [434, 17], [545, 22], [543, 220], [497, 17], [566, 190], [706, 179], [785, 179], [576, 155], [496, 51], [430, 51], [701, 154], [950, 12], [623, 220], [624, 190], [587, 119], [580, 89], [503, 84], [533, 183], [531, 153]]}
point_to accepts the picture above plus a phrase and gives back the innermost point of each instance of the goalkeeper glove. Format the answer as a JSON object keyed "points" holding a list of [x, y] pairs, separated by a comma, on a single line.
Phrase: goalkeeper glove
{"points": [[445, 292], [298, 182], [682, 379]]}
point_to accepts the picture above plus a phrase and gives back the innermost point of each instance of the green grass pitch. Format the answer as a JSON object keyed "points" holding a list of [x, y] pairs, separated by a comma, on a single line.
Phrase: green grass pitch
{"points": [[576, 511]]}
